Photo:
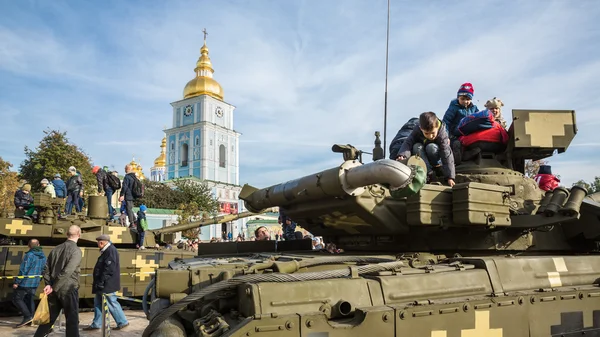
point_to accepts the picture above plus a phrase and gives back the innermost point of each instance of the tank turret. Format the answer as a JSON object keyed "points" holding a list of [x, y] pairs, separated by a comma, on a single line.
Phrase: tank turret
{"points": [[492, 206]]}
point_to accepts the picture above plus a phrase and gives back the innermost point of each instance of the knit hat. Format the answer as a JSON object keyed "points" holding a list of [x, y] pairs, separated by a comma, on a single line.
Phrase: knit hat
{"points": [[545, 169], [95, 169], [494, 103], [44, 181], [72, 169], [466, 89], [26, 187], [143, 208], [57, 175], [105, 168]]}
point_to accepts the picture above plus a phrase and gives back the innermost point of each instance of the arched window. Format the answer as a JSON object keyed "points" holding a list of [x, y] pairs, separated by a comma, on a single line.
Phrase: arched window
{"points": [[184, 155], [222, 155]]}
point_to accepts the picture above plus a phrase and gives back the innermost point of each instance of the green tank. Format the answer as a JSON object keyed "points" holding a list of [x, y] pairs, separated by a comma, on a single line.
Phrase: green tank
{"points": [[492, 256], [137, 266]]}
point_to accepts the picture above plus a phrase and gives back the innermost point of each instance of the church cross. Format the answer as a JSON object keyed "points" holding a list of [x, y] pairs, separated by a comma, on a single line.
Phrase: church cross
{"points": [[205, 33]]}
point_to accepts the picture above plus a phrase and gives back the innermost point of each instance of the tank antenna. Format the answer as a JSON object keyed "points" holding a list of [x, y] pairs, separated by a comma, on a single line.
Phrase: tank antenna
{"points": [[387, 43]]}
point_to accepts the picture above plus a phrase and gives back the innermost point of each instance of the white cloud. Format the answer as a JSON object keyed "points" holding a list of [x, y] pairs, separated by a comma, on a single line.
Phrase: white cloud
{"points": [[303, 75]]}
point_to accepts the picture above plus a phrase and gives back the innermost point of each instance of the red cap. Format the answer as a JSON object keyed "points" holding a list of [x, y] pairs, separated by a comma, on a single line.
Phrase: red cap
{"points": [[95, 169]]}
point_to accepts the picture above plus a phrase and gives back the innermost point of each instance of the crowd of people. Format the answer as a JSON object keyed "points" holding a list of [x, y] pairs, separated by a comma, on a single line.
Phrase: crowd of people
{"points": [[462, 133], [60, 272]]}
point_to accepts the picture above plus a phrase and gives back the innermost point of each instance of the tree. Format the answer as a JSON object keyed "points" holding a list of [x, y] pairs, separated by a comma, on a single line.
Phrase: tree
{"points": [[9, 183], [532, 167], [189, 213], [158, 195], [54, 155], [188, 191], [591, 187], [193, 200], [172, 195]]}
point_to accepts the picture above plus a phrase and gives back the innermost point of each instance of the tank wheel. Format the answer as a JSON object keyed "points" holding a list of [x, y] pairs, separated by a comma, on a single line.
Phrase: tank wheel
{"points": [[171, 327]]}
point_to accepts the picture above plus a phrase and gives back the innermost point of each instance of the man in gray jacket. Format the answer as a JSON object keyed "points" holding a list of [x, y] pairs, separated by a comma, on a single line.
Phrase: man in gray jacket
{"points": [[61, 276]]}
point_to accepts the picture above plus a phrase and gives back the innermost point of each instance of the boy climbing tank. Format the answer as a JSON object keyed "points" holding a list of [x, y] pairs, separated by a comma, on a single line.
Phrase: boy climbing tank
{"points": [[430, 141]]}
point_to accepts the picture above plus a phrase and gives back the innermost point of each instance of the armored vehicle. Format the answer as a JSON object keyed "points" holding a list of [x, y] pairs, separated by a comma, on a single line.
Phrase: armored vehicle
{"points": [[491, 256], [137, 266]]}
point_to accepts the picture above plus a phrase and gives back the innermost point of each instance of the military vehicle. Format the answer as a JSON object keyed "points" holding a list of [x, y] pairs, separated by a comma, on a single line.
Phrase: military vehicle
{"points": [[137, 266], [491, 256]]}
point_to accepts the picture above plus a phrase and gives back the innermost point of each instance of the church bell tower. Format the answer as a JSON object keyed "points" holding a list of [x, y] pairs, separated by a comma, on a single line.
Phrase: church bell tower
{"points": [[202, 144]]}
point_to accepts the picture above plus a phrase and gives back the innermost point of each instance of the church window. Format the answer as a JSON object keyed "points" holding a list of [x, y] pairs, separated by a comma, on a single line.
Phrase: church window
{"points": [[172, 146], [197, 142], [211, 142], [184, 155], [231, 148], [222, 155]]}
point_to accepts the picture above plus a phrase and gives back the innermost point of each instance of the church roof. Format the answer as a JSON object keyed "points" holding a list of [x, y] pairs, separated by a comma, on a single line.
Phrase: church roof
{"points": [[161, 160], [203, 83], [137, 168]]}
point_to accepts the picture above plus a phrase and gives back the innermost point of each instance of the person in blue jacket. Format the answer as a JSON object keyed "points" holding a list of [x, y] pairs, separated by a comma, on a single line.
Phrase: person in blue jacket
{"points": [[459, 108], [24, 288]]}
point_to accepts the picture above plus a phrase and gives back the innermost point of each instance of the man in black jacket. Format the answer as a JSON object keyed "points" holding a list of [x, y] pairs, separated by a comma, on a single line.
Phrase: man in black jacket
{"points": [[107, 281], [103, 187], [74, 191], [127, 193]]}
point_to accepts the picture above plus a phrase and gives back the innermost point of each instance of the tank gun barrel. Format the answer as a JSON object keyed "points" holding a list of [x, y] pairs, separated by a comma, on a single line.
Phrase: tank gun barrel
{"points": [[207, 222], [348, 179]]}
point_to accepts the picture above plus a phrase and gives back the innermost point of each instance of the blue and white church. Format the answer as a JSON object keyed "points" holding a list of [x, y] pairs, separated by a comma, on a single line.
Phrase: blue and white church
{"points": [[202, 144]]}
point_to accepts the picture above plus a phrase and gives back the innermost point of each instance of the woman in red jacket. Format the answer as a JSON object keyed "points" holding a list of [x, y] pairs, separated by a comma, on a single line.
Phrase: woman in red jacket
{"points": [[545, 179]]}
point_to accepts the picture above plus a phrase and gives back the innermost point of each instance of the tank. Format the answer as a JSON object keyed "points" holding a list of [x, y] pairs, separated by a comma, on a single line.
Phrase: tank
{"points": [[137, 266], [491, 256]]}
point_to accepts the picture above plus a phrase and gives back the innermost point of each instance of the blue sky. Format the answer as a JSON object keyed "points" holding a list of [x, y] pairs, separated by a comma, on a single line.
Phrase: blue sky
{"points": [[303, 74]]}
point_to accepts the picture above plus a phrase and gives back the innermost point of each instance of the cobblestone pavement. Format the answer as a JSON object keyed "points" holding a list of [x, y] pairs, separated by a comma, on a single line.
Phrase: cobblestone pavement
{"points": [[137, 324]]}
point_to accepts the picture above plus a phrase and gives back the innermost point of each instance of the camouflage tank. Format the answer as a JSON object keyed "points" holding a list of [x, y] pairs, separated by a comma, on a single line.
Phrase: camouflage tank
{"points": [[491, 256], [137, 266]]}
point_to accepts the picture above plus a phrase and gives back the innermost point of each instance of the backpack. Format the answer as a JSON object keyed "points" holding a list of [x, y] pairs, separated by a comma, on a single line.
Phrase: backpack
{"points": [[113, 181], [137, 188], [401, 136]]}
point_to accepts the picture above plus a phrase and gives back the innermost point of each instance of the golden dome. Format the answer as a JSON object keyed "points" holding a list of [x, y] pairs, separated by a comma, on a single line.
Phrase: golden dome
{"points": [[203, 84], [161, 160], [137, 168]]}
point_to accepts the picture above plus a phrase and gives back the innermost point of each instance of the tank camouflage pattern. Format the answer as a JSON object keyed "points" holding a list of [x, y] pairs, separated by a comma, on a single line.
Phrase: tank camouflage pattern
{"points": [[137, 266], [492, 256]]}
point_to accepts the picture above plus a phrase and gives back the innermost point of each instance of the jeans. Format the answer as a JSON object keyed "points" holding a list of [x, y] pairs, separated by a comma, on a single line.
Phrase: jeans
{"points": [[111, 210], [431, 154], [72, 199], [69, 302], [130, 215], [23, 300], [113, 307], [141, 236]]}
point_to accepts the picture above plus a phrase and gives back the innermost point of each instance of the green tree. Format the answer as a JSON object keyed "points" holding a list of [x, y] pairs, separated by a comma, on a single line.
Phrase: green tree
{"points": [[9, 183], [54, 155], [591, 187], [192, 199], [188, 191], [189, 212], [158, 195]]}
